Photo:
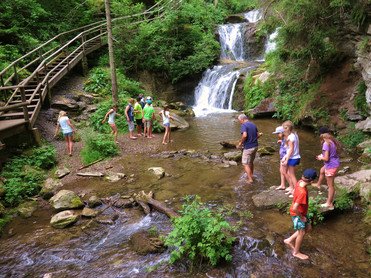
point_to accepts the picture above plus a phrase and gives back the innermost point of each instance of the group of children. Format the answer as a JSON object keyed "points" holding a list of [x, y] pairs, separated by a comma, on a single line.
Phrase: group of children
{"points": [[289, 158], [141, 113]]}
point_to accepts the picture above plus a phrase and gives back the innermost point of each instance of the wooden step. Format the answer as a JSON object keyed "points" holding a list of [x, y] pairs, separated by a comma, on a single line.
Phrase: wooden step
{"points": [[14, 114], [19, 101]]}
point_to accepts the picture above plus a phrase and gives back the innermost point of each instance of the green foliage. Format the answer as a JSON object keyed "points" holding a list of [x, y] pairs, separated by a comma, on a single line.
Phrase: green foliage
{"points": [[180, 43], [255, 92], [238, 6], [343, 199], [200, 234], [314, 210], [97, 146], [363, 46], [5, 219], [352, 137], [360, 101], [24, 174]]}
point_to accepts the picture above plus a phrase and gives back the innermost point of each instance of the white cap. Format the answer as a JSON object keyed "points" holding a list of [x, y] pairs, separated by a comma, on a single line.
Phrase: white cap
{"points": [[279, 129]]}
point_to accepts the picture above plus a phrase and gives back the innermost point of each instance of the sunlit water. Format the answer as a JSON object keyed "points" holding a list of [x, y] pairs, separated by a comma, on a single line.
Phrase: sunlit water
{"points": [[336, 247]]}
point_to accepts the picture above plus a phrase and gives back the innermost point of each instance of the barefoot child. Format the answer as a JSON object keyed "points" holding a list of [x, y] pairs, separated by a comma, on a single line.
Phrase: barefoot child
{"points": [[165, 114], [282, 141], [67, 129], [298, 212], [138, 115], [111, 114], [148, 117], [330, 157]]}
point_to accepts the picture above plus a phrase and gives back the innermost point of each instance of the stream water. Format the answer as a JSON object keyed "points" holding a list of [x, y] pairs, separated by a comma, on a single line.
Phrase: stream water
{"points": [[32, 248]]}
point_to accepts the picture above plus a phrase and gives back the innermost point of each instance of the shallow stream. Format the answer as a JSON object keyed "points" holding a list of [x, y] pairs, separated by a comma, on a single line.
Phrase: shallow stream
{"points": [[336, 247]]}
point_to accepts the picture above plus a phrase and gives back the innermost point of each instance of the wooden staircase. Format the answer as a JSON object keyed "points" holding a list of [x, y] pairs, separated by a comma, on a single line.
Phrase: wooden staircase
{"points": [[48, 64]]}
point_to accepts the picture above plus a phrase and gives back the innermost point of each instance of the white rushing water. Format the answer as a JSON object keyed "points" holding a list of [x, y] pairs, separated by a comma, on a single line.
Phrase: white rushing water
{"points": [[214, 93], [271, 42]]}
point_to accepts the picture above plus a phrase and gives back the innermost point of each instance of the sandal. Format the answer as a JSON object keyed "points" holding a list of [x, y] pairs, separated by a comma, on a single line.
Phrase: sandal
{"points": [[280, 188], [327, 207]]}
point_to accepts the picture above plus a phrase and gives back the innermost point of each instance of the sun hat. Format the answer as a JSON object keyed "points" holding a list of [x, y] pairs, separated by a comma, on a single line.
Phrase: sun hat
{"points": [[323, 130], [310, 174], [149, 98], [279, 129]]}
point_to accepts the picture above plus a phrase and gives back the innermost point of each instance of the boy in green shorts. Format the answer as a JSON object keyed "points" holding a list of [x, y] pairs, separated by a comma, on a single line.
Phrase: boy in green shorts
{"points": [[138, 115], [148, 117], [298, 211]]}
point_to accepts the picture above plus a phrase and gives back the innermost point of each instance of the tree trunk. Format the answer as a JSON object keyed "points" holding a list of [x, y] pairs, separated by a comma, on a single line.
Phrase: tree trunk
{"points": [[111, 53], [142, 197]]}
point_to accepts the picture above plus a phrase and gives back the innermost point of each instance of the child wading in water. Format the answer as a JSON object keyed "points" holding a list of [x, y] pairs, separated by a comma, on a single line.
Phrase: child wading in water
{"points": [[166, 123], [330, 157], [111, 114], [67, 129], [283, 150], [298, 212]]}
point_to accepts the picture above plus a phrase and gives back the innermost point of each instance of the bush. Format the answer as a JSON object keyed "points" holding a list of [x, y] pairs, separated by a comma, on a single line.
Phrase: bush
{"points": [[200, 234], [343, 199], [314, 210], [97, 146], [24, 174], [255, 92], [353, 137], [360, 101]]}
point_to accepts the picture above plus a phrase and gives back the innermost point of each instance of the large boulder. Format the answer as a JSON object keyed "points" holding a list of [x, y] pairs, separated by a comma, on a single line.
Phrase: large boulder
{"points": [[270, 198], [26, 209], [356, 182], [66, 199], [66, 104], [266, 108], [235, 156], [50, 188], [63, 219], [365, 125], [176, 123], [143, 243]]}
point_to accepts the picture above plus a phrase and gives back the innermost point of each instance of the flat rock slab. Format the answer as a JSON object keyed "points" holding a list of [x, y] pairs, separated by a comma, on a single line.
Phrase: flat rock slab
{"points": [[63, 219], [90, 174], [60, 173], [271, 198]]}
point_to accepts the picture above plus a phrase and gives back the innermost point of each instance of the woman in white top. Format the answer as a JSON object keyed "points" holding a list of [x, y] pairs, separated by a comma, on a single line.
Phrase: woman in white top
{"points": [[165, 114], [292, 157], [64, 123], [111, 114]]}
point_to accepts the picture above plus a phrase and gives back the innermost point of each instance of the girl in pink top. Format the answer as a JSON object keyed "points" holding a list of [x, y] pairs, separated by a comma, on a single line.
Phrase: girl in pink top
{"points": [[330, 157]]}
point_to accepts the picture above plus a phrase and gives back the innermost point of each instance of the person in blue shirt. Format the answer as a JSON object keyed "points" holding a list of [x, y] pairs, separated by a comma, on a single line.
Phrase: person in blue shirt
{"points": [[249, 141]]}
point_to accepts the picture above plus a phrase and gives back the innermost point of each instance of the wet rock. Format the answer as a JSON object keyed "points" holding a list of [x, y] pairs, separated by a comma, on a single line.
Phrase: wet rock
{"points": [[2, 209], [365, 125], [266, 108], [90, 174], [230, 162], [158, 171], [49, 188], [357, 181], [177, 105], [344, 170], [354, 117], [124, 203], [66, 199], [105, 219], [346, 160], [88, 99], [60, 173], [364, 145], [263, 151], [177, 122], [235, 156], [114, 177], [88, 212], [142, 243], [270, 198], [94, 201], [228, 145], [25, 210], [63, 219], [63, 103]]}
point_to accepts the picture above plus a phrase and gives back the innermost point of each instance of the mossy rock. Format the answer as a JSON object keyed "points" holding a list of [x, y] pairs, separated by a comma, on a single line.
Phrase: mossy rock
{"points": [[143, 243], [26, 209], [66, 199], [63, 219]]}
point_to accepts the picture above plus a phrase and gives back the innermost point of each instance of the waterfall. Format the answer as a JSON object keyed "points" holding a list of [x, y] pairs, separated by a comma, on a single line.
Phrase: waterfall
{"points": [[271, 42], [214, 93]]}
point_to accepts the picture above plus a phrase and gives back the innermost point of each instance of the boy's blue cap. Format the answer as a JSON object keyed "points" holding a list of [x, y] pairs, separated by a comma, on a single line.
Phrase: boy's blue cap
{"points": [[149, 101], [310, 174]]}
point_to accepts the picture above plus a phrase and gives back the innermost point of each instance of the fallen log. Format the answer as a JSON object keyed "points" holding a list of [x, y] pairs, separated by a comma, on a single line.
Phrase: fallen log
{"points": [[228, 145], [147, 199]]}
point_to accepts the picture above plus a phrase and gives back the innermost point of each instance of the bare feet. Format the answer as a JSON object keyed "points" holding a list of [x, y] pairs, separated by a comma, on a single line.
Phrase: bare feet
{"points": [[133, 138], [288, 243], [300, 256], [317, 185], [280, 187], [249, 181], [164, 143]]}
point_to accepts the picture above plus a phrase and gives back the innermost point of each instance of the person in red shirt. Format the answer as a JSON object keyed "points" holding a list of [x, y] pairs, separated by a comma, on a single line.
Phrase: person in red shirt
{"points": [[298, 212]]}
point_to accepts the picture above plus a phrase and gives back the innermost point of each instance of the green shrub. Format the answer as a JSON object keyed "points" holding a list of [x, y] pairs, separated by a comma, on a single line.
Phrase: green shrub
{"points": [[97, 146], [255, 92], [200, 234], [360, 101], [353, 137], [343, 199], [314, 210]]}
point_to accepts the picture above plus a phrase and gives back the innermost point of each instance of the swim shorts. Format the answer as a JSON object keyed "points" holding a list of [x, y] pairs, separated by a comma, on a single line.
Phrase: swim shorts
{"points": [[293, 162], [298, 223], [331, 172], [248, 155]]}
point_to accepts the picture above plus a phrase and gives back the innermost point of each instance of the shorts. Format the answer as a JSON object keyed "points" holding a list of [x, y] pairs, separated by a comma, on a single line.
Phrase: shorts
{"points": [[298, 224], [139, 122], [293, 162], [248, 155], [331, 172], [131, 126], [68, 134], [166, 124], [147, 123]]}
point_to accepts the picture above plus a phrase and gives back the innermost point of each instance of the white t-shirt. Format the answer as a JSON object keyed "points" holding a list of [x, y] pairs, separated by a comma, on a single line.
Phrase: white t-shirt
{"points": [[294, 138], [165, 117], [63, 122]]}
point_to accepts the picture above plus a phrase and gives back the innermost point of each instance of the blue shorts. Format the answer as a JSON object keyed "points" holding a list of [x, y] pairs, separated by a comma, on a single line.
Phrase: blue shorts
{"points": [[166, 124], [293, 162], [68, 134], [298, 224]]}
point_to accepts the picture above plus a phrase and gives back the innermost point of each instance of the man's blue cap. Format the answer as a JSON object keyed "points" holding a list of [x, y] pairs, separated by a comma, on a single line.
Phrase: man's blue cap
{"points": [[310, 174], [149, 101]]}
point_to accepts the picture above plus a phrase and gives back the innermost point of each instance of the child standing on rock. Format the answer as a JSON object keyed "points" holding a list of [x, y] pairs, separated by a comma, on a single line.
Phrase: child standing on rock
{"points": [[298, 212], [111, 114], [283, 150], [165, 114]]}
